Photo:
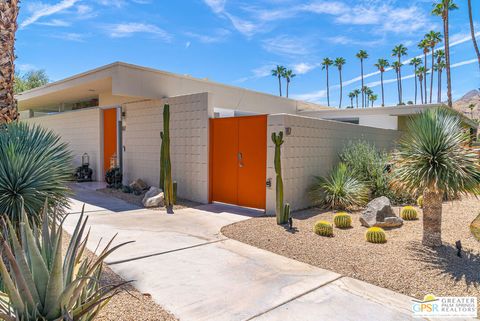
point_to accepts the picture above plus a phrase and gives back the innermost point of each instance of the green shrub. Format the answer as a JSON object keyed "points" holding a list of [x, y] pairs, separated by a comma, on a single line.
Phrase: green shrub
{"points": [[420, 201], [340, 190], [34, 166], [371, 166], [375, 235], [41, 283], [409, 213], [342, 220], [323, 228], [127, 189]]}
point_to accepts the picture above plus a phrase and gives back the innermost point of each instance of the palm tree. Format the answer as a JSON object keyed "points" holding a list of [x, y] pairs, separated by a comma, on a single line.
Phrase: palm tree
{"points": [[339, 62], [8, 28], [368, 95], [426, 49], [362, 54], [442, 9], [381, 65], [396, 66], [373, 98], [363, 91], [351, 95], [433, 38], [439, 67], [279, 72], [415, 62], [288, 75], [325, 64], [357, 93], [421, 71], [434, 159], [399, 51], [472, 31]]}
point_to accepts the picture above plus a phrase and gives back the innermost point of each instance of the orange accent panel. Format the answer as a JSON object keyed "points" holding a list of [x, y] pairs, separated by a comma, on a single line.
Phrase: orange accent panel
{"points": [[252, 170], [224, 151], [234, 180], [109, 136]]}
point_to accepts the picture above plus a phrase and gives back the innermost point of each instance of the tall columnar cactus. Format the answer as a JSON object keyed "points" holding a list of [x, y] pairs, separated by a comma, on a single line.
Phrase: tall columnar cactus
{"points": [[166, 164], [162, 169], [282, 216]]}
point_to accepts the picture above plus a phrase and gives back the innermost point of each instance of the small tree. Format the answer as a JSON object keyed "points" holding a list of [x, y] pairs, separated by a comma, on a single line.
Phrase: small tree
{"points": [[434, 159]]}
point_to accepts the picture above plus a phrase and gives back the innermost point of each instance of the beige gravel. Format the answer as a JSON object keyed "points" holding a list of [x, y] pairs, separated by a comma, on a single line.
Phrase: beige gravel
{"points": [[402, 264], [129, 304]]}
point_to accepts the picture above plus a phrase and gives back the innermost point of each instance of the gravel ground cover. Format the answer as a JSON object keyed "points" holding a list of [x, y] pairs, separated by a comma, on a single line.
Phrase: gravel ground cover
{"points": [[402, 264], [129, 304]]}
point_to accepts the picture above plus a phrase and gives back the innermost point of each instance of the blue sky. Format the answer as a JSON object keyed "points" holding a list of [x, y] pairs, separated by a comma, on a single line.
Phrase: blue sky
{"points": [[238, 42]]}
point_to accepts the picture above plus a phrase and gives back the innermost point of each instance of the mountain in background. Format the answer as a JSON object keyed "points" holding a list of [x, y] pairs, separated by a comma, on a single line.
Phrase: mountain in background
{"points": [[462, 104]]}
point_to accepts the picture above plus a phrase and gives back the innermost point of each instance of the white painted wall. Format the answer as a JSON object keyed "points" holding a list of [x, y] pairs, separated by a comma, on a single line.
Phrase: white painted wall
{"points": [[379, 121], [189, 124], [82, 130], [312, 150]]}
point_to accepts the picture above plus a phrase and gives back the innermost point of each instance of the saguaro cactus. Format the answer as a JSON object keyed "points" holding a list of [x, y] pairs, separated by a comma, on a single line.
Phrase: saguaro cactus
{"points": [[166, 164], [162, 157], [280, 212]]}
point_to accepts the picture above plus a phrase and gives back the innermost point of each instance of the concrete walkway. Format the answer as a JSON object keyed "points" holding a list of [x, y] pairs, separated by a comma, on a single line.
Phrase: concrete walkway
{"points": [[193, 271]]}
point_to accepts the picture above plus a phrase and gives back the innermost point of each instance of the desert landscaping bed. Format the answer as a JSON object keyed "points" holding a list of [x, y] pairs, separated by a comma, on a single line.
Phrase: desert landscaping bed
{"points": [[137, 199], [129, 304], [402, 264]]}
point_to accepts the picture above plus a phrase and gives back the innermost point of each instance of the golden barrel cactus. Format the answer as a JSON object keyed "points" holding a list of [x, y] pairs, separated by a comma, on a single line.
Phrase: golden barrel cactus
{"points": [[323, 228], [420, 201], [376, 235], [409, 213], [342, 220]]}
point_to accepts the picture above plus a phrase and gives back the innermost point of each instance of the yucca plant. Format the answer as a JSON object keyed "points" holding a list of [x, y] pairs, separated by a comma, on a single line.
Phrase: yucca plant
{"points": [[41, 283], [340, 190], [34, 166], [433, 159]]}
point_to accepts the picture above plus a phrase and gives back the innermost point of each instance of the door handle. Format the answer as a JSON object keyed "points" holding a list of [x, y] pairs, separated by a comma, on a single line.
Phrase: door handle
{"points": [[240, 159]]}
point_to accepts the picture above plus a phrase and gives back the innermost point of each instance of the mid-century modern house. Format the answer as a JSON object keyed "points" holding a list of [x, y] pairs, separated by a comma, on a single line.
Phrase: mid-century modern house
{"points": [[221, 149]]}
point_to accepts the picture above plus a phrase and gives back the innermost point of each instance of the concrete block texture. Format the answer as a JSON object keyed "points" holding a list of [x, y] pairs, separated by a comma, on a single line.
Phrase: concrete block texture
{"points": [[312, 149], [189, 142], [81, 130]]}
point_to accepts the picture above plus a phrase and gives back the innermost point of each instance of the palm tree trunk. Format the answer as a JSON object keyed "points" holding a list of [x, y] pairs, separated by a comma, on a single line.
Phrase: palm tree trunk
{"points": [[341, 90], [8, 28], [381, 80], [425, 79], [421, 91], [447, 56], [351, 101], [415, 74], [472, 31], [356, 98], [328, 88], [439, 86], [363, 94], [431, 75], [288, 85], [400, 80], [280, 85], [432, 218], [398, 89]]}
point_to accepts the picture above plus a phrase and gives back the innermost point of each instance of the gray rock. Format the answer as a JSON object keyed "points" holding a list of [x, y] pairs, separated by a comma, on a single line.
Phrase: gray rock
{"points": [[153, 191], [379, 213], [155, 201], [138, 185]]}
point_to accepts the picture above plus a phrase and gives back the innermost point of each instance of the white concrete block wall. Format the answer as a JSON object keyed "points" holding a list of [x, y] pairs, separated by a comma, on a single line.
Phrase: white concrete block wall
{"points": [[82, 130], [189, 143], [311, 150]]}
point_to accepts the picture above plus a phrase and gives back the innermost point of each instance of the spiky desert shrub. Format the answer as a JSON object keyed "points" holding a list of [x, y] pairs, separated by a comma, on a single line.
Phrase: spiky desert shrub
{"points": [[34, 166], [376, 235], [340, 190], [409, 213], [43, 284], [323, 228], [342, 220]]}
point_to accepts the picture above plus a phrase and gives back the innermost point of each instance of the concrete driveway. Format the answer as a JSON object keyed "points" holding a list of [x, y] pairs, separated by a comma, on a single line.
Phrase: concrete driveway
{"points": [[193, 271]]}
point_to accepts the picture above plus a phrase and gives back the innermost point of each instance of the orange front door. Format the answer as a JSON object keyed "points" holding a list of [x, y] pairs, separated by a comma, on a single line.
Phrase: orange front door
{"points": [[109, 136], [239, 158]]}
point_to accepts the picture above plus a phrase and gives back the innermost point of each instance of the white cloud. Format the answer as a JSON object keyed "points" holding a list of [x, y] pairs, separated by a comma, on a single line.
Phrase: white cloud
{"points": [[287, 46], [123, 30], [41, 10], [217, 6], [71, 36], [303, 68], [260, 72], [112, 3], [315, 96], [217, 36], [56, 23]]}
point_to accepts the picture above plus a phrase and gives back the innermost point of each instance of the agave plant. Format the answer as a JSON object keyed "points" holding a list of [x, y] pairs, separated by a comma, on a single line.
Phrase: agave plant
{"points": [[434, 159], [341, 190], [34, 166], [43, 284]]}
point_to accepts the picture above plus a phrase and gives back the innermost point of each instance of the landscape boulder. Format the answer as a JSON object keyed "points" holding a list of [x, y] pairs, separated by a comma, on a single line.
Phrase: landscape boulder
{"points": [[138, 185], [154, 198], [379, 213]]}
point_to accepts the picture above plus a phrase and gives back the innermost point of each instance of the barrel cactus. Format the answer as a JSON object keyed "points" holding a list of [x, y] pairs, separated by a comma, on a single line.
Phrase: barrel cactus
{"points": [[420, 201], [409, 213], [342, 220], [323, 228], [376, 235]]}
